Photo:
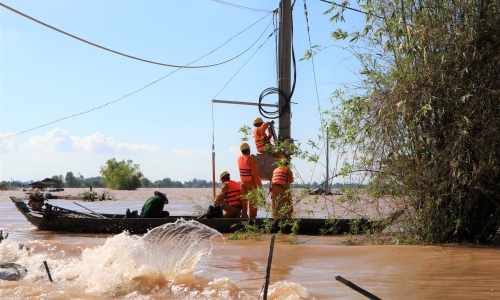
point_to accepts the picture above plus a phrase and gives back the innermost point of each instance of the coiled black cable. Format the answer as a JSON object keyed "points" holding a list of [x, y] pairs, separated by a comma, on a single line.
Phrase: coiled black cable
{"points": [[273, 90]]}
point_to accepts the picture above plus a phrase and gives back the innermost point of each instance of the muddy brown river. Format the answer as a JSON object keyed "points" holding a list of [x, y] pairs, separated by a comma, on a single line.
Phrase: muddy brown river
{"points": [[122, 266]]}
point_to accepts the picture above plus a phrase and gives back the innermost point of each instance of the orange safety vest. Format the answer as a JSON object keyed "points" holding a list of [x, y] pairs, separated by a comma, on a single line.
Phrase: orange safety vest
{"points": [[233, 193], [245, 171], [260, 140], [280, 176]]}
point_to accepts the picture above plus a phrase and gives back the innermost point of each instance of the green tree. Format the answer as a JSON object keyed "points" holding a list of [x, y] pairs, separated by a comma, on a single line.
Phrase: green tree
{"points": [[93, 182], [121, 175], [423, 123], [71, 181], [146, 182], [167, 183], [59, 178]]}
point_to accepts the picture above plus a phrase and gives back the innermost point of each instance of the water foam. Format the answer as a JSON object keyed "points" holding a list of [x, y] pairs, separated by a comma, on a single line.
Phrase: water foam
{"points": [[126, 263], [158, 265]]}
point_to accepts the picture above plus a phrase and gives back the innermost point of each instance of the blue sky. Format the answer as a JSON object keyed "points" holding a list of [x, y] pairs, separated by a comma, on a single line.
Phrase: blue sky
{"points": [[167, 127]]}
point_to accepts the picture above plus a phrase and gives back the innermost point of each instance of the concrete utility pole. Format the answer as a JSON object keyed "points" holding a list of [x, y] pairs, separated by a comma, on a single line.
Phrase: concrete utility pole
{"points": [[327, 182], [284, 71]]}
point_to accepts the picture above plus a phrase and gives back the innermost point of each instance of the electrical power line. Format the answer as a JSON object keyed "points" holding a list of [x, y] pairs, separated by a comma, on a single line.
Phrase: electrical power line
{"points": [[132, 93], [120, 53], [213, 121], [312, 56], [242, 7], [243, 65], [350, 8]]}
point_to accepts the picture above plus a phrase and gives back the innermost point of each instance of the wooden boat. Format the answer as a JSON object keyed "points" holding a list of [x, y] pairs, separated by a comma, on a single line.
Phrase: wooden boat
{"points": [[59, 219]]}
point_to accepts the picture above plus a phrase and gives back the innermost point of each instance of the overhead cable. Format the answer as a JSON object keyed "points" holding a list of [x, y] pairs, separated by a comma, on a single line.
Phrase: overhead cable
{"points": [[350, 8], [242, 7], [312, 56], [126, 55], [245, 62], [213, 121], [132, 93]]}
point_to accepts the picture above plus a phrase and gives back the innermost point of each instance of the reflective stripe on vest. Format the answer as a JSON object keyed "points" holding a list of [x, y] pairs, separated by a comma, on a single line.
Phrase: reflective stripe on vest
{"points": [[245, 171], [280, 176], [260, 140], [233, 193]]}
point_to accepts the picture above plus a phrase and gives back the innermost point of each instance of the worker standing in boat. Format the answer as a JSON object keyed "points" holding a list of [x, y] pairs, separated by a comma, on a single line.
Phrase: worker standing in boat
{"points": [[281, 194], [263, 140], [229, 196], [153, 208], [250, 180]]}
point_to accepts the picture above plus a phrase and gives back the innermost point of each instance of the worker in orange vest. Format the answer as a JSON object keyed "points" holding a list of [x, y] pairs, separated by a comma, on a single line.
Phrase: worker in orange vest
{"points": [[281, 194], [229, 196], [250, 179], [263, 140]]}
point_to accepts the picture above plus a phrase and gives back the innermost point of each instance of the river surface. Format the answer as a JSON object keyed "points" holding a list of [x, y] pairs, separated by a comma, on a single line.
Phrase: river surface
{"points": [[169, 263]]}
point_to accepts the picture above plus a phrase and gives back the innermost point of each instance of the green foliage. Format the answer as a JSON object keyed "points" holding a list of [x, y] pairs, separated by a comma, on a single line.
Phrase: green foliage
{"points": [[197, 183], [59, 178], [146, 182], [422, 126], [247, 133], [167, 183], [121, 175], [198, 210], [89, 196], [72, 181], [250, 230], [92, 182]]}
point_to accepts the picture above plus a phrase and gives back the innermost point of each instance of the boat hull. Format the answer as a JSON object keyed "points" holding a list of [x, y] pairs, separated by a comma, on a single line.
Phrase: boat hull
{"points": [[108, 223]]}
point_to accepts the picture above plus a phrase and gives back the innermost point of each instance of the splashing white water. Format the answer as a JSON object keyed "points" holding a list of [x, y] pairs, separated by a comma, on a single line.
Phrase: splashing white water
{"points": [[158, 265], [125, 263]]}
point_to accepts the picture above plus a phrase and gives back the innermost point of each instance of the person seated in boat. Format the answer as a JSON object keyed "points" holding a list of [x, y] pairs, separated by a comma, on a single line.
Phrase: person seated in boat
{"points": [[279, 186], [229, 196], [153, 208], [36, 201], [263, 140]]}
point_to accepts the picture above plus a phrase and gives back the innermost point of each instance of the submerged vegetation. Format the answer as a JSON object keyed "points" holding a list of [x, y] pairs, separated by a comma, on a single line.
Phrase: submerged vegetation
{"points": [[421, 128], [423, 125]]}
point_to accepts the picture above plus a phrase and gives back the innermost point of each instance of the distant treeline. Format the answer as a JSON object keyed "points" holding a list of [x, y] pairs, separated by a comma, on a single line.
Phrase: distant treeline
{"points": [[72, 181]]}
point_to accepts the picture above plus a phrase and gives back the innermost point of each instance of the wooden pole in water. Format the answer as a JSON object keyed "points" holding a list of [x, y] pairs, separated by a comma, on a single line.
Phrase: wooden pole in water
{"points": [[327, 182], [47, 269], [357, 288], [213, 169], [268, 270]]}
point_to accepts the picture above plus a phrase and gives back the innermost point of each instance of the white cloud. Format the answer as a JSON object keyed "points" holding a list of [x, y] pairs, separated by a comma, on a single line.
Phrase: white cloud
{"points": [[235, 150], [184, 152], [135, 148], [95, 143], [59, 140], [8, 144]]}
